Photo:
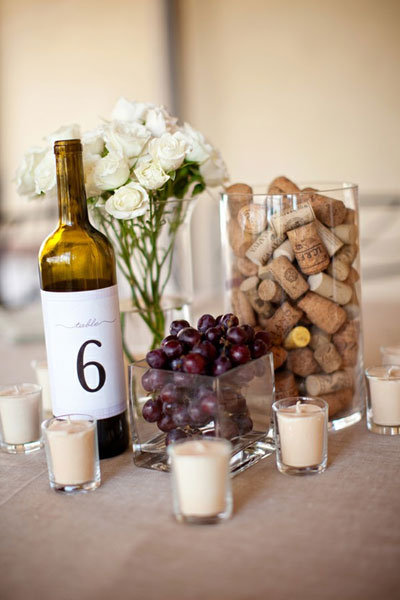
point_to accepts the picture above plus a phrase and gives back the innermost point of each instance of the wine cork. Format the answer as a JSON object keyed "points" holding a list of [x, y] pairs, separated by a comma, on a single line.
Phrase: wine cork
{"points": [[279, 355], [326, 286], [346, 342], [328, 358], [350, 217], [309, 249], [329, 211], [325, 384], [260, 306], [347, 253], [302, 362], [347, 233], [322, 312], [339, 269], [250, 285], [288, 277], [285, 385], [352, 277], [239, 241], [299, 337], [338, 401], [242, 308], [263, 320], [318, 337], [252, 219], [264, 271], [238, 194], [283, 184], [292, 218], [270, 291], [352, 311], [331, 242], [261, 250], [285, 249], [246, 267], [233, 282], [283, 320]]}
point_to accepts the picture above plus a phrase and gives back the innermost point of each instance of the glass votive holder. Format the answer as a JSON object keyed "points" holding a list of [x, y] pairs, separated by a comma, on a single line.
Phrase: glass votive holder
{"points": [[383, 399], [301, 435], [42, 377], [20, 417], [201, 483], [390, 355], [72, 453]]}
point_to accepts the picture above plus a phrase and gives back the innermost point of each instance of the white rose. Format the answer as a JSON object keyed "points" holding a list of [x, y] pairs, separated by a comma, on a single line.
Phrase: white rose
{"points": [[93, 141], [128, 202], [130, 111], [199, 150], [150, 173], [24, 176], [214, 170], [45, 174], [159, 121], [169, 150], [110, 172], [89, 166], [127, 139], [66, 132]]}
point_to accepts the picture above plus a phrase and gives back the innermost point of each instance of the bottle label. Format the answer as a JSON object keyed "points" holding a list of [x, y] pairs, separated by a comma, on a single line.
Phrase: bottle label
{"points": [[84, 352]]}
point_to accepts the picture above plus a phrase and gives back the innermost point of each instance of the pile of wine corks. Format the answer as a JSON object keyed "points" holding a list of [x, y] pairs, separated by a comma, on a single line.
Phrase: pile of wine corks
{"points": [[293, 277]]}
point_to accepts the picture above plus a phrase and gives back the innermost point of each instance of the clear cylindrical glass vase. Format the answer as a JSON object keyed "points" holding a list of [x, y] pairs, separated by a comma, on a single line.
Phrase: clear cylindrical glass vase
{"points": [[292, 269]]}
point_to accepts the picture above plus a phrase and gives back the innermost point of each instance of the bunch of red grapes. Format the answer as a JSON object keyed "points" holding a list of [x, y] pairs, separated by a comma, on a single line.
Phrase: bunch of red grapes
{"points": [[216, 346]]}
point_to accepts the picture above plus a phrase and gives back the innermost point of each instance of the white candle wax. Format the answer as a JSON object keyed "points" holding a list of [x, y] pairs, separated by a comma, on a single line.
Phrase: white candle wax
{"points": [[20, 413], [301, 433], [201, 471], [72, 450], [42, 377], [384, 387]]}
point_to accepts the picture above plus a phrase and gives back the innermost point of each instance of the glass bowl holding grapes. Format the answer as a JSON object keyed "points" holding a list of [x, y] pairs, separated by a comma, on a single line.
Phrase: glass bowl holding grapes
{"points": [[214, 380]]}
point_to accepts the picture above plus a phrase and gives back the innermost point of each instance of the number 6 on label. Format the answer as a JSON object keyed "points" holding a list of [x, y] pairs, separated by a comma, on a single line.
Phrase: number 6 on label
{"points": [[81, 366]]}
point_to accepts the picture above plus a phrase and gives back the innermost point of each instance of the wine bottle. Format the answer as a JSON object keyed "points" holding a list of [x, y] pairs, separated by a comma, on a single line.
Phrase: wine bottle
{"points": [[81, 311]]}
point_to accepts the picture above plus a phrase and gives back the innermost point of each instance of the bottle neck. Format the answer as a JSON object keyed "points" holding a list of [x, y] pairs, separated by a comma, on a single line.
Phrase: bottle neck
{"points": [[71, 189]]}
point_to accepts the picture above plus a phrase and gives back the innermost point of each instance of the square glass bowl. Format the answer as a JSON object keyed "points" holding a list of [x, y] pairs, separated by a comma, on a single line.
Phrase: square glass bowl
{"points": [[235, 406]]}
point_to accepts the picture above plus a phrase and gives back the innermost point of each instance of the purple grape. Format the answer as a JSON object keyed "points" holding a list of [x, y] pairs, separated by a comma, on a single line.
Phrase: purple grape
{"points": [[156, 358], [174, 436], [168, 408], [180, 379], [202, 391], [176, 364], [166, 423], [214, 334], [240, 354], [173, 349], [169, 338], [236, 335], [228, 429], [250, 333], [189, 336], [206, 349], [193, 363], [170, 393], [265, 337], [205, 322], [181, 416], [153, 380], [244, 423], [152, 411], [229, 320], [196, 415], [258, 348], [176, 326], [221, 365], [234, 403], [209, 404], [218, 319]]}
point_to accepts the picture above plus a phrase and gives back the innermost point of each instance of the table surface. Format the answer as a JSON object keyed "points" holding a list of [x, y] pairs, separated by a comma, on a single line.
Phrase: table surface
{"points": [[330, 536]]}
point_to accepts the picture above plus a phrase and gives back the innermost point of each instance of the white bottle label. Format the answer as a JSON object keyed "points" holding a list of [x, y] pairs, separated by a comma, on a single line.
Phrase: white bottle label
{"points": [[84, 352]]}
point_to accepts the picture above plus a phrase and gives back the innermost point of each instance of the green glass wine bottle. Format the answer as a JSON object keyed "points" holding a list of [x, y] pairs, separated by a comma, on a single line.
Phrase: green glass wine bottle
{"points": [[81, 311]]}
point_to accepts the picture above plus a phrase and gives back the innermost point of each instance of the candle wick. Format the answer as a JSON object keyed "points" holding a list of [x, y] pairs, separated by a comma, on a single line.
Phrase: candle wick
{"points": [[389, 371], [298, 404]]}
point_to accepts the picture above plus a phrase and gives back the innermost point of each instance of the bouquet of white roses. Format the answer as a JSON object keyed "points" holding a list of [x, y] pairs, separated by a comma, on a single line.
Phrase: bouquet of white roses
{"points": [[134, 166]]}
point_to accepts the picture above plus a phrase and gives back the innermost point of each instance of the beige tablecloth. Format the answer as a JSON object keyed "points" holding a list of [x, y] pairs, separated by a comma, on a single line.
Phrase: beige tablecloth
{"points": [[332, 536]]}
